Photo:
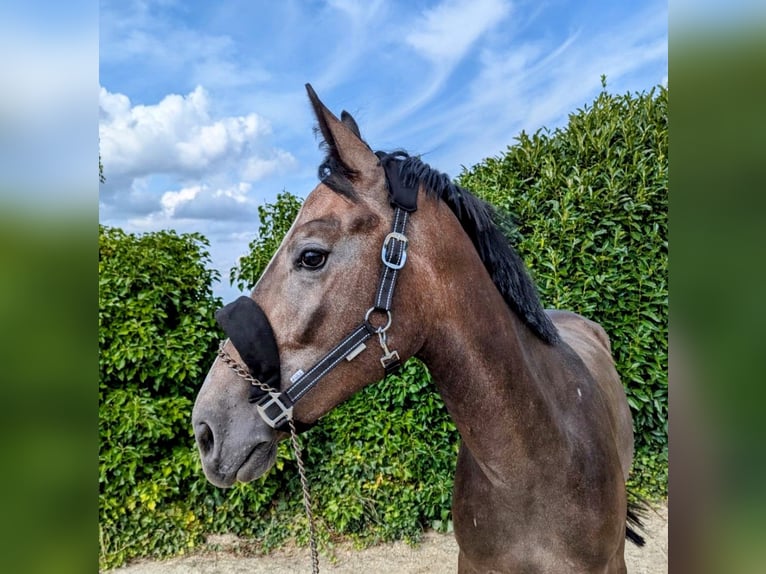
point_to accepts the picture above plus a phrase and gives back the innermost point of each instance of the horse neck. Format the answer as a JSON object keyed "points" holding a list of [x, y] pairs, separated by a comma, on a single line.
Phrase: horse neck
{"points": [[493, 374]]}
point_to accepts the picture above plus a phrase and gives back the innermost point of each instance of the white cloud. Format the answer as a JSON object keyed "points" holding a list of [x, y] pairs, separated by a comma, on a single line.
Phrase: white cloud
{"points": [[534, 82], [204, 202], [172, 199], [159, 40], [256, 168], [187, 207], [175, 160], [447, 31], [177, 136], [444, 35]]}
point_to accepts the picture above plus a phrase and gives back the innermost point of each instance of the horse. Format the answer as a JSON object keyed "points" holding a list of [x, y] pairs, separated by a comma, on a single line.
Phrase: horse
{"points": [[389, 259]]}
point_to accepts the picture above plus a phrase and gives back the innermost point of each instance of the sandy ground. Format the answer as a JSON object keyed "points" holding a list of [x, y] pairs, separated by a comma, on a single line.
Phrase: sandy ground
{"points": [[437, 553]]}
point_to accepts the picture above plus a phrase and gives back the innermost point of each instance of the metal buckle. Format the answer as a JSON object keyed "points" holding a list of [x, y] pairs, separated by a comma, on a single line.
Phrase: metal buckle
{"points": [[384, 251], [284, 415]]}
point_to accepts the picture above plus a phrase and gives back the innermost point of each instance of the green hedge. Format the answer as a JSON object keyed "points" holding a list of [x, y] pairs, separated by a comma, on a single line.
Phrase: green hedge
{"points": [[156, 336], [591, 200], [157, 339], [591, 203]]}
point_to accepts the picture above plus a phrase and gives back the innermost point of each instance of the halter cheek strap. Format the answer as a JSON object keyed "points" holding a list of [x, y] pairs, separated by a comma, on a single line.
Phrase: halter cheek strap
{"points": [[248, 328]]}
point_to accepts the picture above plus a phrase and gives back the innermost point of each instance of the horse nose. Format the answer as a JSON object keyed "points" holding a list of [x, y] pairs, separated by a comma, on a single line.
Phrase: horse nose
{"points": [[209, 444], [205, 439]]}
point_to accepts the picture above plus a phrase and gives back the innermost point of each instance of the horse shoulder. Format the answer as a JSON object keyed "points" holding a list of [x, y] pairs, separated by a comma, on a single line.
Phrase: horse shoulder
{"points": [[591, 343]]}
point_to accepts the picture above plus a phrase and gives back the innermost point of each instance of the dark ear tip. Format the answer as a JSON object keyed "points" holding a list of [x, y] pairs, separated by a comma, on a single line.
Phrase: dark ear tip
{"points": [[348, 120], [312, 94]]}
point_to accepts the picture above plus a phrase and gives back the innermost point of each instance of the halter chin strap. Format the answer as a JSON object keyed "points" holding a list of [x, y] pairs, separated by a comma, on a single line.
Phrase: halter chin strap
{"points": [[248, 328]]}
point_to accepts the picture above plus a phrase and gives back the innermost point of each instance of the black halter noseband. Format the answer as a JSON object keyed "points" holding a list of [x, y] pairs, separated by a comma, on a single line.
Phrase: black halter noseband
{"points": [[248, 328]]}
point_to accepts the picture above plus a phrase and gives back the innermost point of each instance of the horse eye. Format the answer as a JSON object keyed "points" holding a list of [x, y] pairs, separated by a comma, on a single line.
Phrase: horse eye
{"points": [[312, 259]]}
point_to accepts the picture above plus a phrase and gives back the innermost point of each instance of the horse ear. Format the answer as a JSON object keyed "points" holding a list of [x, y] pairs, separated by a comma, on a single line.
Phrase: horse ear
{"points": [[342, 137], [348, 120]]}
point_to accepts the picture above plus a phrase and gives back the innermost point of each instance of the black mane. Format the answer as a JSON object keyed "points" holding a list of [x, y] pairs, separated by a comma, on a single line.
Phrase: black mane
{"points": [[478, 220]]}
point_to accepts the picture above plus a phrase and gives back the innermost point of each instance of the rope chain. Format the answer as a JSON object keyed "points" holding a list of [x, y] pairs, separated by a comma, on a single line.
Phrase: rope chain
{"points": [[242, 372], [306, 497], [245, 374]]}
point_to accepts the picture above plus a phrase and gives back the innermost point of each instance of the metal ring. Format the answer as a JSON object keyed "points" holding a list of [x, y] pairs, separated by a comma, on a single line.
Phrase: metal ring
{"points": [[377, 329]]}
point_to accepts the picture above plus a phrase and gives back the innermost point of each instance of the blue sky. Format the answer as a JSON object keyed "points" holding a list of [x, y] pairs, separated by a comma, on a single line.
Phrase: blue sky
{"points": [[204, 116]]}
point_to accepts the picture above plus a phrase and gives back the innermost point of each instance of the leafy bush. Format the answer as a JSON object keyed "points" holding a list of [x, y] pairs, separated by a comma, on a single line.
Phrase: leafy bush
{"points": [[591, 204], [156, 338], [156, 324], [591, 201], [275, 221]]}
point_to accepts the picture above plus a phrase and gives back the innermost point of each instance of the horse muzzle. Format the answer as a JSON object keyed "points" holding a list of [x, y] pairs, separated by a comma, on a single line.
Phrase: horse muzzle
{"points": [[234, 442]]}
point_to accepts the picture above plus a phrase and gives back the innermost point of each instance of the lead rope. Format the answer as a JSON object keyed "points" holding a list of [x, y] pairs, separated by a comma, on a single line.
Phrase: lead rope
{"points": [[306, 498], [245, 374]]}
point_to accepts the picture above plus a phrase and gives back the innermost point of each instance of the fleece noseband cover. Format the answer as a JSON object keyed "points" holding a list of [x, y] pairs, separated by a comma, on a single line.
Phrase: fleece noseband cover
{"points": [[249, 330]]}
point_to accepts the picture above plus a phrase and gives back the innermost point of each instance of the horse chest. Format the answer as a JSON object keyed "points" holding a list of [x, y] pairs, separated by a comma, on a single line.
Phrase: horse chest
{"points": [[512, 527]]}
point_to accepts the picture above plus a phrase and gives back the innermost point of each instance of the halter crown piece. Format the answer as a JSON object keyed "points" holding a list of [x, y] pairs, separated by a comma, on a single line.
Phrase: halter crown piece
{"points": [[248, 328]]}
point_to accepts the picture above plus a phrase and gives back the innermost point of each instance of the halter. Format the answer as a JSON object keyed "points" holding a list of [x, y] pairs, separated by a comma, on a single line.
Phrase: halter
{"points": [[248, 329]]}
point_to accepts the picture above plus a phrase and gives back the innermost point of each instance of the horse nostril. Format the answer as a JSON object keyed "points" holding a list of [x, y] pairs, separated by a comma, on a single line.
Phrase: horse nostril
{"points": [[205, 438]]}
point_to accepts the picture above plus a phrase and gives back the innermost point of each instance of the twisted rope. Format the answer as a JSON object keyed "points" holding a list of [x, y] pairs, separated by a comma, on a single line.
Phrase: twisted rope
{"points": [[243, 373], [306, 498]]}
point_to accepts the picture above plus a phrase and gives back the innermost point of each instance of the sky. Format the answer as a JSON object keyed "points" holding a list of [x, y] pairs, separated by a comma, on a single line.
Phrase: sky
{"points": [[203, 114]]}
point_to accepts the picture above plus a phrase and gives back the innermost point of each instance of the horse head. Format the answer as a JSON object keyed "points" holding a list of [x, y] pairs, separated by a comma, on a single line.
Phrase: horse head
{"points": [[322, 285]]}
